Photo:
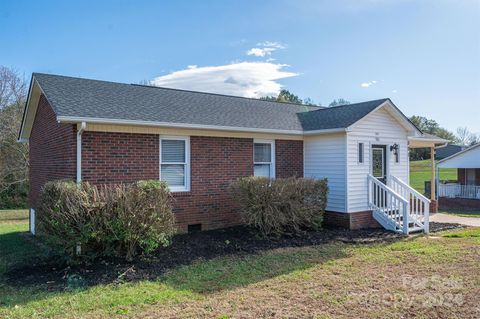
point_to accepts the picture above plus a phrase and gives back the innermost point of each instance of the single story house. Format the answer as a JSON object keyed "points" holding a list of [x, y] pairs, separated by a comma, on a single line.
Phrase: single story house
{"points": [[448, 150], [105, 132], [466, 192]]}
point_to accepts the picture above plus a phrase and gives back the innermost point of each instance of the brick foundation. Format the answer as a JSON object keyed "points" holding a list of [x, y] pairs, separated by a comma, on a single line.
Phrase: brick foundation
{"points": [[446, 203], [357, 220]]}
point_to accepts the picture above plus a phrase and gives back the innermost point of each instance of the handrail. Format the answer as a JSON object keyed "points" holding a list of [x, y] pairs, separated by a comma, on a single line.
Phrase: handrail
{"points": [[388, 189], [410, 188], [389, 203]]}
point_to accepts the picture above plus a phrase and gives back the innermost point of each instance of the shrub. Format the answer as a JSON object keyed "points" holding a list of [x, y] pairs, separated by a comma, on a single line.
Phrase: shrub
{"points": [[111, 220], [281, 206]]}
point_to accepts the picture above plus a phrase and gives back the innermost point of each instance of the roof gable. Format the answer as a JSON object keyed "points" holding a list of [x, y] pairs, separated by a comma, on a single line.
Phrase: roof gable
{"points": [[468, 158]]}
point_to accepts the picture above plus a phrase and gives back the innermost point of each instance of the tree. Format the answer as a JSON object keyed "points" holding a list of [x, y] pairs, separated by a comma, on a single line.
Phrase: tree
{"points": [[431, 127], [13, 155], [467, 138], [338, 102], [446, 134], [424, 124], [288, 97]]}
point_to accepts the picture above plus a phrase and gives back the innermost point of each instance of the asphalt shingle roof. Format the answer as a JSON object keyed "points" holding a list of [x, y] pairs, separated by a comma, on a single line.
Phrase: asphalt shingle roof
{"points": [[85, 98], [341, 116]]}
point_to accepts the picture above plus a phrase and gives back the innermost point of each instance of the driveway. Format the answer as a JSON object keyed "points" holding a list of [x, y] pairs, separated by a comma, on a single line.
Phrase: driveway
{"points": [[447, 218]]}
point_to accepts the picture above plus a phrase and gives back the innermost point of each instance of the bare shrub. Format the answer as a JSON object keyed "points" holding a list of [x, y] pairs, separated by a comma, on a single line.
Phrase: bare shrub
{"points": [[281, 206], [112, 220]]}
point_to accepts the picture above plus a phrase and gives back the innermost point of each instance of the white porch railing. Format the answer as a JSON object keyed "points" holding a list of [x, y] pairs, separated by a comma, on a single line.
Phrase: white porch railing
{"points": [[459, 191], [389, 208], [419, 204], [398, 206]]}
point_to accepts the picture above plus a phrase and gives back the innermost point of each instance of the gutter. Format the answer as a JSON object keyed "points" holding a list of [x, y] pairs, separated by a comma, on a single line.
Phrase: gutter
{"points": [[80, 129]]}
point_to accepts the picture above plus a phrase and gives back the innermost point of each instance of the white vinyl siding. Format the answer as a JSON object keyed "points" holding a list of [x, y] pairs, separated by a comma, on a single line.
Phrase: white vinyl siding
{"points": [[378, 127], [264, 158], [466, 159], [175, 162], [325, 157]]}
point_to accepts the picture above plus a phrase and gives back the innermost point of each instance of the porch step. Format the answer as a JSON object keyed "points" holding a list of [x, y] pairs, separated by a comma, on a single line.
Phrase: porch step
{"points": [[395, 224]]}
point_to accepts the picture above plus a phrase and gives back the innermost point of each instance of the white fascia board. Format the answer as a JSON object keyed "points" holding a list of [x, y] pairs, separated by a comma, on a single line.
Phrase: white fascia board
{"points": [[68, 119]]}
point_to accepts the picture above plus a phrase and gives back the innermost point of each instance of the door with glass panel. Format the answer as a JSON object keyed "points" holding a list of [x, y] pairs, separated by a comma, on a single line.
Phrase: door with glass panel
{"points": [[379, 171]]}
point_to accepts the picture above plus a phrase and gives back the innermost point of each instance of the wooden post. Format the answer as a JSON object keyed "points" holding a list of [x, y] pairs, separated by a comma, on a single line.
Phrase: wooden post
{"points": [[432, 187]]}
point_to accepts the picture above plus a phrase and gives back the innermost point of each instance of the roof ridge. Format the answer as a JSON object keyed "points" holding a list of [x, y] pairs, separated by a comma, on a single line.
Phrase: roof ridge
{"points": [[351, 104], [226, 95]]}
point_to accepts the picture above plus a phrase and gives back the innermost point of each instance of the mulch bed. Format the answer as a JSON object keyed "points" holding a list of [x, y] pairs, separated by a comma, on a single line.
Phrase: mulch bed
{"points": [[50, 274]]}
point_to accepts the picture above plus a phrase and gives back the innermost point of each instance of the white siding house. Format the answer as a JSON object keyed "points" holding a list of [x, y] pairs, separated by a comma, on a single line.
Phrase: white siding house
{"points": [[325, 157], [336, 157], [377, 128]]}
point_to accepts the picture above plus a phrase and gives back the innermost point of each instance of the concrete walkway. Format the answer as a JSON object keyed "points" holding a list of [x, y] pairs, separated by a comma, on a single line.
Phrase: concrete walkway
{"points": [[447, 218]]}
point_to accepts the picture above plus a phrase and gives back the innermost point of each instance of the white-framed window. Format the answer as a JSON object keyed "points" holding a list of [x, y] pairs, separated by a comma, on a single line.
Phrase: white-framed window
{"points": [[264, 158], [175, 162], [361, 153]]}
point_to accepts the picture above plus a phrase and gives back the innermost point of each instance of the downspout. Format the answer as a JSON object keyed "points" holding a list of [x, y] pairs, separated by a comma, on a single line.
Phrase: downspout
{"points": [[80, 129]]}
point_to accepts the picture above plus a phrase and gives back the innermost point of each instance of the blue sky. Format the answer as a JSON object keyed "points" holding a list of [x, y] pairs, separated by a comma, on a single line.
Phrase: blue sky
{"points": [[425, 55]]}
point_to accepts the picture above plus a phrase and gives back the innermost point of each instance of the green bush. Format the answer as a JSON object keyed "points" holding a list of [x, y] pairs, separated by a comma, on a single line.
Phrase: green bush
{"points": [[86, 221], [281, 206]]}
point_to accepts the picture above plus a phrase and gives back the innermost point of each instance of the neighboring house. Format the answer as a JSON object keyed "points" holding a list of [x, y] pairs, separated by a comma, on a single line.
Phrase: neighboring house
{"points": [[105, 132], [466, 192], [448, 150]]}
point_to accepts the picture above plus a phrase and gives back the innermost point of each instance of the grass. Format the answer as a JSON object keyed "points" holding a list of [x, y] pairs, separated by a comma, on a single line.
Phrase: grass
{"points": [[420, 171], [325, 281], [13, 215]]}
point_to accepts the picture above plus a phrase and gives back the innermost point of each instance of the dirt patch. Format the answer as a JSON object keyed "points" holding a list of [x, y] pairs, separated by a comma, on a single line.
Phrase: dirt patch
{"points": [[52, 274]]}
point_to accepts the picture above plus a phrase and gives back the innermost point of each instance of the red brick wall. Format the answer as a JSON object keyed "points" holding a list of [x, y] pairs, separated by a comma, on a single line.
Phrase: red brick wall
{"points": [[445, 203], [357, 220], [52, 150], [215, 163], [119, 157], [288, 158]]}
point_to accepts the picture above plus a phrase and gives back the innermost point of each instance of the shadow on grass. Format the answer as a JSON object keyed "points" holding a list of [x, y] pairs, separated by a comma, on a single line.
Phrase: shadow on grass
{"points": [[199, 262]]}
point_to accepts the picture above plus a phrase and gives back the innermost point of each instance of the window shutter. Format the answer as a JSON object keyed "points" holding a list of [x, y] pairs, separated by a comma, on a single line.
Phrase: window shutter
{"points": [[360, 152]]}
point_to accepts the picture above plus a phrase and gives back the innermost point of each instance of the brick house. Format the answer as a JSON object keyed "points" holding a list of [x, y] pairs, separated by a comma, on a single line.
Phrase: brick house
{"points": [[465, 193], [104, 132]]}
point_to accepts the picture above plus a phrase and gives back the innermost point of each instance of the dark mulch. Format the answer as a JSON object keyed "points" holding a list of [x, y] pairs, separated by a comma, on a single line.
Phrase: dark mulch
{"points": [[51, 275]]}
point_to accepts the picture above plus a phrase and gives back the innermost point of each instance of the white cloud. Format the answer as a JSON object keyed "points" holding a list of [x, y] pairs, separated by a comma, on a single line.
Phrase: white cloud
{"points": [[260, 51], [271, 44], [248, 79], [265, 48], [394, 91], [368, 84]]}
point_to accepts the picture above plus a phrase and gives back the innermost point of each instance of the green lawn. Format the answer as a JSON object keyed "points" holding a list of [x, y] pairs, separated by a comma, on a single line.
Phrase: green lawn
{"points": [[439, 275], [13, 215], [420, 171]]}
